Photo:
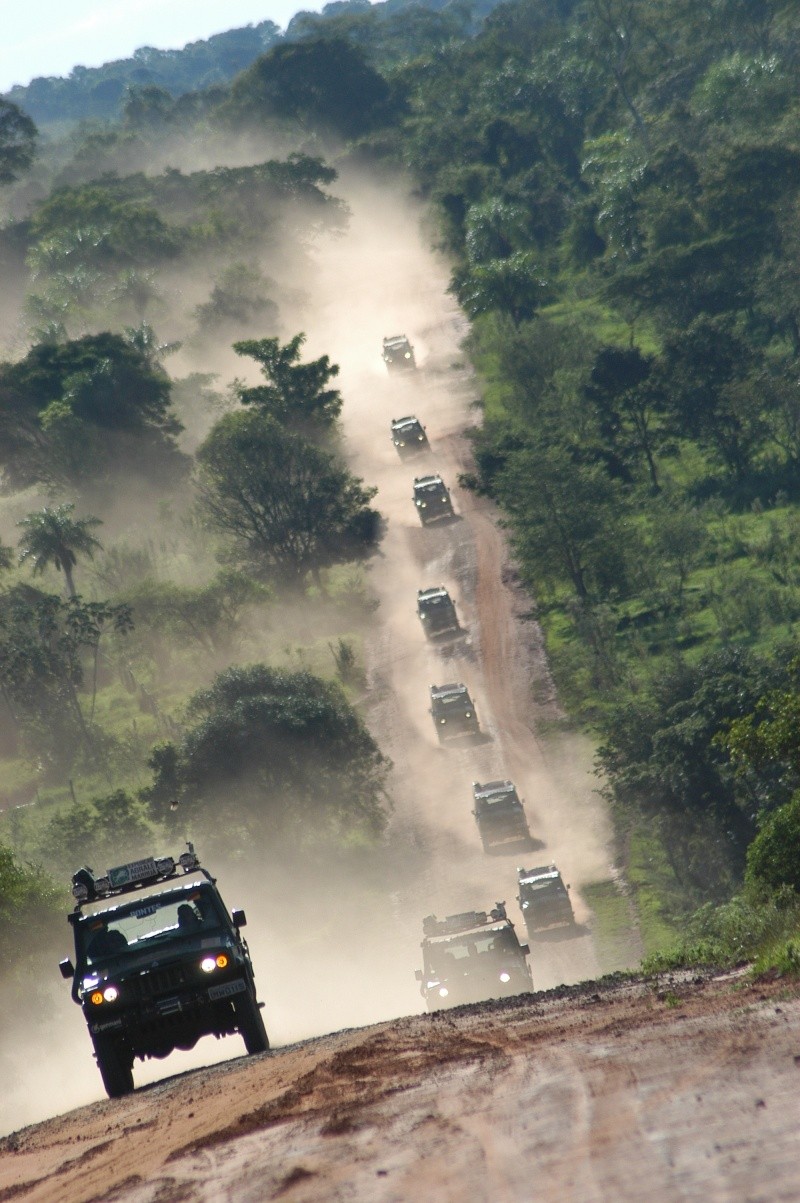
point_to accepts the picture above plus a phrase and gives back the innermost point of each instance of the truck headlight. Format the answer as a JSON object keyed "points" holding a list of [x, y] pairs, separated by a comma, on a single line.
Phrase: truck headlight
{"points": [[209, 964], [108, 994]]}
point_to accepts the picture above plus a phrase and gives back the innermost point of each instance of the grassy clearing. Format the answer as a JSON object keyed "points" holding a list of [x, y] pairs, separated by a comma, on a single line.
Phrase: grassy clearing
{"points": [[655, 888], [611, 926]]}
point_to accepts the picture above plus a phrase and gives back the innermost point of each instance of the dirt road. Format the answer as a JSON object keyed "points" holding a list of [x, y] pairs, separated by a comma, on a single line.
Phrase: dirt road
{"points": [[638, 1090]]}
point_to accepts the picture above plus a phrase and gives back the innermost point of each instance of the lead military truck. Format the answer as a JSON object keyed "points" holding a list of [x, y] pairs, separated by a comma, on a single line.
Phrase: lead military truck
{"points": [[159, 962]]}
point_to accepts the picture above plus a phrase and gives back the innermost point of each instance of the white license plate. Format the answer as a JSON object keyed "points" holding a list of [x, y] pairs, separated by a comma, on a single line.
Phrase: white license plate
{"points": [[227, 989]]}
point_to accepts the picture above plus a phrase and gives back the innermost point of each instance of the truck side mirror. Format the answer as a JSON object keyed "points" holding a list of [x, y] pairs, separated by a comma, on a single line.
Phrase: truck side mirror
{"points": [[239, 918], [66, 967], [418, 974], [525, 949]]}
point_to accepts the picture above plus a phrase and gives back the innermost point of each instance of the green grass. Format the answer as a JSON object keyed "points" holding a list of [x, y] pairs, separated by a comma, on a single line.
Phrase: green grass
{"points": [[654, 885], [611, 926]]}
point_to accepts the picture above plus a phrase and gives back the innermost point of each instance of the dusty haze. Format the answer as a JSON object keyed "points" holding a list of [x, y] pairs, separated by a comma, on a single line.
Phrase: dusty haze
{"points": [[337, 945]]}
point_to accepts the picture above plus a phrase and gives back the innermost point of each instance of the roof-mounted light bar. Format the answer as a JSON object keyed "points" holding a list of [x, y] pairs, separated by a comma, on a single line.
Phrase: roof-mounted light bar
{"points": [[88, 888]]}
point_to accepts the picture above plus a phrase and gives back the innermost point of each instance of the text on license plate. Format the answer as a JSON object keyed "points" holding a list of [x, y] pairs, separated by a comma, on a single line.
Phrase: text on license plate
{"points": [[228, 988]]}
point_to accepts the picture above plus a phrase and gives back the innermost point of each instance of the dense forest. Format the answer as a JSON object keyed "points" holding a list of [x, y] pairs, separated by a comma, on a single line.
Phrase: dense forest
{"points": [[617, 185]]}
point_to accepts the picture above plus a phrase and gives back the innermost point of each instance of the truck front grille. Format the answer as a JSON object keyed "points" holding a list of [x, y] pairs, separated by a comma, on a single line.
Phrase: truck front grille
{"points": [[155, 982]]}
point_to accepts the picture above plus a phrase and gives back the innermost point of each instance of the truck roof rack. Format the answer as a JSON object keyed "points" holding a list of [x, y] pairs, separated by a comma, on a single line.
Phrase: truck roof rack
{"points": [[453, 924], [134, 874]]}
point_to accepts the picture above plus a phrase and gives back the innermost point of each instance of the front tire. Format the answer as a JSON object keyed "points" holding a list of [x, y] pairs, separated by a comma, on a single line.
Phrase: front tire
{"points": [[115, 1065], [251, 1025]]}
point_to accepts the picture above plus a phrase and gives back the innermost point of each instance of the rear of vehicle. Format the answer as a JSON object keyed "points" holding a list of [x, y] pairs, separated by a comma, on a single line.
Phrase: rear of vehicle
{"points": [[544, 900], [499, 814], [159, 964], [472, 957], [452, 712]]}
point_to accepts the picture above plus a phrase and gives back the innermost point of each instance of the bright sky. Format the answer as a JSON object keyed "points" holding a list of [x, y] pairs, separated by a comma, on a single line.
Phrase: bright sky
{"points": [[50, 37]]}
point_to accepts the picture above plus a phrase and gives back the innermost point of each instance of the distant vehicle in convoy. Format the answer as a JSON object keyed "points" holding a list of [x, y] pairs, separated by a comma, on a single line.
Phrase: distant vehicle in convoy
{"points": [[437, 613], [159, 962], [544, 900], [453, 712], [432, 499], [398, 354], [499, 814], [409, 437], [471, 957]]}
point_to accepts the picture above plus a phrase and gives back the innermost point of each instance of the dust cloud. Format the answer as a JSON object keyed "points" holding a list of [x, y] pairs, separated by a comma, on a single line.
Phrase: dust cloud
{"points": [[336, 943]]}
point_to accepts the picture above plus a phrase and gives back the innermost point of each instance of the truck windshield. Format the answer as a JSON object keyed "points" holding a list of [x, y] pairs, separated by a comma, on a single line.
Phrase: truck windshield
{"points": [[457, 953], [143, 922]]}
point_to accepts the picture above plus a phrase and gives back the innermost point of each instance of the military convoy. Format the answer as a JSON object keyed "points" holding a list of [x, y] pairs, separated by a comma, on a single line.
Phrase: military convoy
{"points": [[437, 613], [159, 962], [452, 712], [500, 815], [432, 499], [398, 354], [470, 957], [409, 437], [544, 900]]}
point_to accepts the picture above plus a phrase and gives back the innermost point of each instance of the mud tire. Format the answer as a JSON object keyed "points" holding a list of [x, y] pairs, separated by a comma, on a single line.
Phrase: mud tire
{"points": [[115, 1065], [251, 1025]]}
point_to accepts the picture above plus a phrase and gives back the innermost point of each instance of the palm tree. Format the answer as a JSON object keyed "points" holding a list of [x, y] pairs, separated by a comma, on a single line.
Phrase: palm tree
{"points": [[53, 536]]}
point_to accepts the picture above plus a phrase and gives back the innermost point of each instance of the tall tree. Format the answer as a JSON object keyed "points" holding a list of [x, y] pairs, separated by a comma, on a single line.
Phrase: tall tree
{"points": [[17, 141], [290, 507], [296, 394], [53, 536], [274, 754]]}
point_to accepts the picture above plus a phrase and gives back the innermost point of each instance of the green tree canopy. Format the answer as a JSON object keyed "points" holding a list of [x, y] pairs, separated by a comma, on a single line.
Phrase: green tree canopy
{"points": [[326, 84], [296, 394], [290, 507], [53, 536], [280, 755], [46, 646], [773, 858], [17, 141], [68, 407]]}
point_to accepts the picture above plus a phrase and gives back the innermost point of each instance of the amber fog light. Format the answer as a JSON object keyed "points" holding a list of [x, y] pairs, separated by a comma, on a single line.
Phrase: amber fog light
{"points": [[97, 998], [222, 961]]}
